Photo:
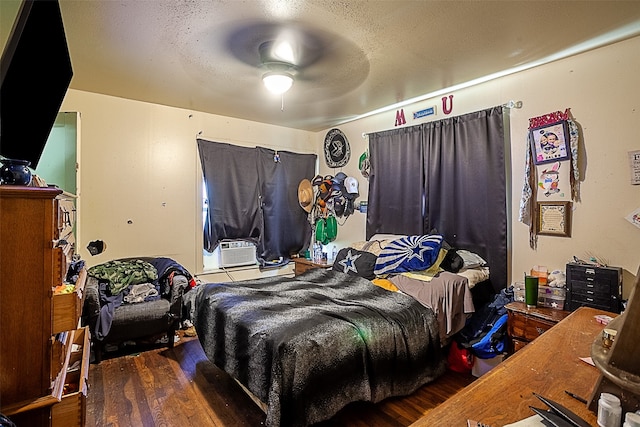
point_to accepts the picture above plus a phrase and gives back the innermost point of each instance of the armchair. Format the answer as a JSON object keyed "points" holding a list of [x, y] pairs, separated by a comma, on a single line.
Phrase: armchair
{"points": [[112, 321]]}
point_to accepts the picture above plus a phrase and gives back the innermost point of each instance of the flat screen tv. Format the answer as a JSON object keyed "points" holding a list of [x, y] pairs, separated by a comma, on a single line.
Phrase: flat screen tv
{"points": [[35, 72]]}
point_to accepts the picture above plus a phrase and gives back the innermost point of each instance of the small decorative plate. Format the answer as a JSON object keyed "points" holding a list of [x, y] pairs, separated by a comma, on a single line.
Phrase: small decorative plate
{"points": [[336, 149]]}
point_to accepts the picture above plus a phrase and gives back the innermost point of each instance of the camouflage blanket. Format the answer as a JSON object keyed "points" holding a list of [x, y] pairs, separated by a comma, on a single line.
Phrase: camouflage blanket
{"points": [[121, 274]]}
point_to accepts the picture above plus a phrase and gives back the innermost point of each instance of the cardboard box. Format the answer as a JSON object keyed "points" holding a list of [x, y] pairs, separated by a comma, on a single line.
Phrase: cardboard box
{"points": [[482, 366], [541, 272]]}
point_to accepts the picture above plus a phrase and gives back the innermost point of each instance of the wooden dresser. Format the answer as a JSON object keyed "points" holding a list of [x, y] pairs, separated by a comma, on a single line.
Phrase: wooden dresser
{"points": [[44, 359], [526, 324]]}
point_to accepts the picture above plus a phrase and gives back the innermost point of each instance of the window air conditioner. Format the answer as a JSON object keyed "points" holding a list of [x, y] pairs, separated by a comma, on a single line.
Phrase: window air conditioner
{"points": [[234, 253]]}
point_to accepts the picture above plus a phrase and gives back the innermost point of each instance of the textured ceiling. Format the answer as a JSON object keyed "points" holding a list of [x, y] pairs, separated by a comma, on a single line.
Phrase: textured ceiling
{"points": [[355, 56]]}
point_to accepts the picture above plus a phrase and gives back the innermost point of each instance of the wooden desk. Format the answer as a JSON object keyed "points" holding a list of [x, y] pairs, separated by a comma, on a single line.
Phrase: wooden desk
{"points": [[548, 366]]}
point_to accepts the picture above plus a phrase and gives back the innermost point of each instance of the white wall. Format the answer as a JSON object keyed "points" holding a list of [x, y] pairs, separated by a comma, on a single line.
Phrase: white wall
{"points": [[139, 162], [141, 180], [601, 89]]}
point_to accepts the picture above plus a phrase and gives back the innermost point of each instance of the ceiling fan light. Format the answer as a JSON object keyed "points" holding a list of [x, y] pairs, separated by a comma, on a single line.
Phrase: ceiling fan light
{"points": [[277, 82]]}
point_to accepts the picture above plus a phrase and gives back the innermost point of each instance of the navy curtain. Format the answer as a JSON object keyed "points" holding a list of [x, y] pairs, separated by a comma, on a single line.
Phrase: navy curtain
{"points": [[232, 190], [285, 228], [456, 176], [465, 186], [396, 182], [252, 196]]}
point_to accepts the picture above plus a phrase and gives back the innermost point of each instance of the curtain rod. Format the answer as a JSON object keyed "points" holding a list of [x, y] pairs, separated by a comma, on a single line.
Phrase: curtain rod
{"points": [[510, 104], [251, 144]]}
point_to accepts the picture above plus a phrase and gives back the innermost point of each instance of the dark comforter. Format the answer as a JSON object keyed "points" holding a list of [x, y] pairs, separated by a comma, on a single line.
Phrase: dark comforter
{"points": [[307, 346]]}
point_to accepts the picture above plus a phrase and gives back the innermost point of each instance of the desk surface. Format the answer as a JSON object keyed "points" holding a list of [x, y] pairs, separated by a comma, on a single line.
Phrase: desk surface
{"points": [[548, 366]]}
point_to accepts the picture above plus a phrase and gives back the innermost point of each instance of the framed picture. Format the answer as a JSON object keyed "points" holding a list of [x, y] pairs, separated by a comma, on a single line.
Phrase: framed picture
{"points": [[550, 143], [554, 219]]}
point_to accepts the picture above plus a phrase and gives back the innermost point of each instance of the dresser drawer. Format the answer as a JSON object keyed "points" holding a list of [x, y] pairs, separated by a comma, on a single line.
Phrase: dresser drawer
{"points": [[67, 308], [517, 344], [591, 300], [66, 215], [525, 327], [62, 257], [576, 303], [593, 289], [70, 411]]}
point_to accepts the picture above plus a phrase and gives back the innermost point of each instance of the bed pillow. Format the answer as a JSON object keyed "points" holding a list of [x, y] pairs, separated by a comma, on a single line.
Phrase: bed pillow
{"points": [[372, 246], [475, 275], [471, 259], [355, 262], [410, 253]]}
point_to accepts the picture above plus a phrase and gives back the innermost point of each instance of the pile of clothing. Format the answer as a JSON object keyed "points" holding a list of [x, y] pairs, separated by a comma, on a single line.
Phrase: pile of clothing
{"points": [[129, 281]]}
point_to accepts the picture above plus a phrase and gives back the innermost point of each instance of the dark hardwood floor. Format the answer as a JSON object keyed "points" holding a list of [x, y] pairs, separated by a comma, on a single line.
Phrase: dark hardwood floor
{"points": [[157, 386]]}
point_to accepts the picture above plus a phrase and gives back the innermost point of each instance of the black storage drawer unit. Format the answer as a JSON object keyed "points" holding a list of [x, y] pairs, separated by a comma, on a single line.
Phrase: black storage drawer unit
{"points": [[591, 286]]}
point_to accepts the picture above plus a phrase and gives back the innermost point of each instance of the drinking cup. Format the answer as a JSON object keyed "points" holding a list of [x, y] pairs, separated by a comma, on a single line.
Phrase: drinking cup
{"points": [[531, 291]]}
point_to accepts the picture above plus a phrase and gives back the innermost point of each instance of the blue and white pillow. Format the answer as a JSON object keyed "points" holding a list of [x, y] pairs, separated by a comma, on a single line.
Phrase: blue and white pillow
{"points": [[409, 253]]}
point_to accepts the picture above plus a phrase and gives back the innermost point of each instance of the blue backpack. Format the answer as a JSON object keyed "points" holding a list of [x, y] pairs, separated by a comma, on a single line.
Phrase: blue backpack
{"points": [[485, 333], [494, 342]]}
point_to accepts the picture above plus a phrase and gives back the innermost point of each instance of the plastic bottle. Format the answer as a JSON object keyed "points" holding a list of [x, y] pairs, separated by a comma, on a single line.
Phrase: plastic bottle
{"points": [[631, 419], [317, 252], [334, 253], [609, 410]]}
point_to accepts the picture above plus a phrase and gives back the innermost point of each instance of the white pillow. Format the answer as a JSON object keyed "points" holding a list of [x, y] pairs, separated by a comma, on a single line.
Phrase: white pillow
{"points": [[475, 275], [471, 259]]}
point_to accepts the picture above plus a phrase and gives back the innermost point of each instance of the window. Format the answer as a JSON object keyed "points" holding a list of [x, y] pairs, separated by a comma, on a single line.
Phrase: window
{"points": [[252, 194]]}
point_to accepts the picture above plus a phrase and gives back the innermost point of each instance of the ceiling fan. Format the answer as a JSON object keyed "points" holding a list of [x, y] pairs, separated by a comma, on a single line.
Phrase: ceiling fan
{"points": [[288, 52]]}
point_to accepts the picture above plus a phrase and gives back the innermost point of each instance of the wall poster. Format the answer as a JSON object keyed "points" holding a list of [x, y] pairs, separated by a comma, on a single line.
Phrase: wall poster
{"points": [[550, 143], [634, 166]]}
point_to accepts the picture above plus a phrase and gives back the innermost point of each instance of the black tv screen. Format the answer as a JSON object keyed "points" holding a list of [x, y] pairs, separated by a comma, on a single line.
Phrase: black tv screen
{"points": [[35, 73]]}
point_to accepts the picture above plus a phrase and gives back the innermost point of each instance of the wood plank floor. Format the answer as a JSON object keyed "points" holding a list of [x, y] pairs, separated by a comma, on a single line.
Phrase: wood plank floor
{"points": [[158, 386]]}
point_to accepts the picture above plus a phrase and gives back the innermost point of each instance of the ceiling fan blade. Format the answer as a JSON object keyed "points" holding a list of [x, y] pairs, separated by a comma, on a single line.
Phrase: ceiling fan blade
{"points": [[262, 42]]}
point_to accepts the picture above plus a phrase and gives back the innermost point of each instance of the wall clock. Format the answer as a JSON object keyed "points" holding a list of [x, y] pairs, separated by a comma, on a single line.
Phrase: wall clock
{"points": [[336, 149]]}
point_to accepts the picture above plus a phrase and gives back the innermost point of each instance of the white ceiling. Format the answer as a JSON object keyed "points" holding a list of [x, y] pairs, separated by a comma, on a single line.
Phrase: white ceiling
{"points": [[361, 55]]}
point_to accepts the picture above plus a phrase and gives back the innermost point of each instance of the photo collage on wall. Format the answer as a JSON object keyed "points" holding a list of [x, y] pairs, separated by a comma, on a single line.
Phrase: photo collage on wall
{"points": [[553, 174]]}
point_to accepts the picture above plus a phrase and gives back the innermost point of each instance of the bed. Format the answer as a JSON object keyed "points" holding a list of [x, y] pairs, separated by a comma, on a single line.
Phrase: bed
{"points": [[306, 346]]}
